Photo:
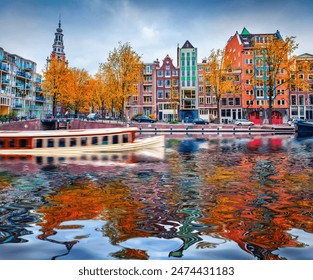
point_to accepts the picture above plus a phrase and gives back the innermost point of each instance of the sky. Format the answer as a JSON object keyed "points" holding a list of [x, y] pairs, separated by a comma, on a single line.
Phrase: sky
{"points": [[153, 28]]}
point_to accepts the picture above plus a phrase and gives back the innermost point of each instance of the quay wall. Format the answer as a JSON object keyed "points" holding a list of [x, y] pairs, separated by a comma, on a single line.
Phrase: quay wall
{"points": [[155, 128]]}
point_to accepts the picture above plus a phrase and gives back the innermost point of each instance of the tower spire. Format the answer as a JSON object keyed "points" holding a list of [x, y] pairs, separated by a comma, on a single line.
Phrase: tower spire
{"points": [[59, 20], [58, 46]]}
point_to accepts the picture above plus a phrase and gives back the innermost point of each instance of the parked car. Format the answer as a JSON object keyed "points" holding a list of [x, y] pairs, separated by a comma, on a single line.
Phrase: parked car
{"points": [[243, 122], [144, 119], [92, 117], [200, 121]]}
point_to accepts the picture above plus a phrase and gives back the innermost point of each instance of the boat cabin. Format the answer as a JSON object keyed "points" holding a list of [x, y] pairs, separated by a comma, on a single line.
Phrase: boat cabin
{"points": [[65, 139]]}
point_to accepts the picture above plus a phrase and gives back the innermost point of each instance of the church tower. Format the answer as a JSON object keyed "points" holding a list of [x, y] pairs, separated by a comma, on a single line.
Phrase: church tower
{"points": [[58, 46]]}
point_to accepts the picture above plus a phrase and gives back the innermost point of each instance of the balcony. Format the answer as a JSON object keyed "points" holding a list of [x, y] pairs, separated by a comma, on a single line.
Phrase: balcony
{"points": [[4, 67], [17, 106], [6, 81], [20, 74], [40, 98], [38, 89]]}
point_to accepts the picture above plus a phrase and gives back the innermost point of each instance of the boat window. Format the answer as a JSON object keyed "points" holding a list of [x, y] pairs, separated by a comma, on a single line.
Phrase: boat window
{"points": [[73, 142], [50, 143], [39, 160], [125, 138], [1, 143], [105, 140], [11, 143], [115, 139], [23, 143], [39, 143], [94, 140], [62, 142], [83, 141]]}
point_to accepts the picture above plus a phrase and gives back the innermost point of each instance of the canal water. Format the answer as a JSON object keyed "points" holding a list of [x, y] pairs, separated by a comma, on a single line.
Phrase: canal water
{"points": [[234, 198]]}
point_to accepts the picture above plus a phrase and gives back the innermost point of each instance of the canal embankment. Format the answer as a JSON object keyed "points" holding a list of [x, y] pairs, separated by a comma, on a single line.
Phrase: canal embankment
{"points": [[148, 129]]}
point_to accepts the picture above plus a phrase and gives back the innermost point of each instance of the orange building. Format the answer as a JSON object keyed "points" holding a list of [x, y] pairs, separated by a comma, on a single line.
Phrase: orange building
{"points": [[253, 80]]}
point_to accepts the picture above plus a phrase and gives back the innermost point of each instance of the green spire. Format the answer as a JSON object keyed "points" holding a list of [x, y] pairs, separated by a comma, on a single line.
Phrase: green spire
{"points": [[245, 31]]}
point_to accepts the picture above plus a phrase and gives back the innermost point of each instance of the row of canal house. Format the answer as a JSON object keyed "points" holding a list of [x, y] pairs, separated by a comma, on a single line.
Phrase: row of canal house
{"points": [[177, 92]]}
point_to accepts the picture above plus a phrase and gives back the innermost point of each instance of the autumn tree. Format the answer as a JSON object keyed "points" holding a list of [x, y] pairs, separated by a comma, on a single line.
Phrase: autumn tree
{"points": [[174, 97], [101, 96], [218, 77], [56, 78], [276, 58], [78, 93], [123, 72]]}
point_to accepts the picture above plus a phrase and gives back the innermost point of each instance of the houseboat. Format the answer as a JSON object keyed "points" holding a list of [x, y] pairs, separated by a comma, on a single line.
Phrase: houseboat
{"points": [[304, 128], [77, 141]]}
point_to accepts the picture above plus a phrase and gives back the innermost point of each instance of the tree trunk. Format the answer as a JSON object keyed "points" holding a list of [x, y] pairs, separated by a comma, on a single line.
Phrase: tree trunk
{"points": [[218, 109], [270, 106]]}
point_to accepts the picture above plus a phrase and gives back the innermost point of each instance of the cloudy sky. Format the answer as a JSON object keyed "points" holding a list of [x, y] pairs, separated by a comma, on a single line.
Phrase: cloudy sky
{"points": [[93, 28]]}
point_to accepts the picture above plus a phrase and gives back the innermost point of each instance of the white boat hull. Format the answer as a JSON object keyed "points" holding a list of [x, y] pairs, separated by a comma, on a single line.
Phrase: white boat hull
{"points": [[155, 142]]}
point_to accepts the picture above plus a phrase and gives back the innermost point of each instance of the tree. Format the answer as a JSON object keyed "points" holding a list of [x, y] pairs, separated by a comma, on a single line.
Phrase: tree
{"points": [[218, 76], [123, 72], [276, 58], [56, 78], [78, 95], [174, 98]]}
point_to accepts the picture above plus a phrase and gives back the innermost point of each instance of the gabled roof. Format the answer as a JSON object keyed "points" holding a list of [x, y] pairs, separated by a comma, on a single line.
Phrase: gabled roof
{"points": [[305, 56], [187, 45], [245, 31], [246, 38]]}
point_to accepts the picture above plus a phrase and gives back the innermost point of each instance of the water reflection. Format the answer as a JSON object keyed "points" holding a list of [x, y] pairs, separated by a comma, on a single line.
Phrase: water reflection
{"points": [[219, 198]]}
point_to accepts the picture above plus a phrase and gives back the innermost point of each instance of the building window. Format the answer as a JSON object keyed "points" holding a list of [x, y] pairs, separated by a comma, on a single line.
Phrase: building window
{"points": [[301, 100], [160, 73], [160, 94], [160, 83], [259, 93], [281, 102], [280, 91], [237, 101], [147, 99], [224, 101]]}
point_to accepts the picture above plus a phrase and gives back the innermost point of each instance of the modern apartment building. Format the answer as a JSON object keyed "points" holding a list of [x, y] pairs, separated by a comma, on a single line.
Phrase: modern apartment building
{"points": [[301, 100], [254, 75], [187, 57], [20, 86]]}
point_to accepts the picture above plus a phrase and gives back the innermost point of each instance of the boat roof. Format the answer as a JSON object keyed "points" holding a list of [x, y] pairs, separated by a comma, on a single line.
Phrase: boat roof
{"points": [[65, 133]]}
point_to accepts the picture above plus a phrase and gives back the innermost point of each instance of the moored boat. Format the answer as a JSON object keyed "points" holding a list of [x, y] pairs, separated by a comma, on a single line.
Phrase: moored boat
{"points": [[305, 128], [76, 141]]}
